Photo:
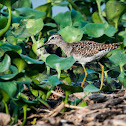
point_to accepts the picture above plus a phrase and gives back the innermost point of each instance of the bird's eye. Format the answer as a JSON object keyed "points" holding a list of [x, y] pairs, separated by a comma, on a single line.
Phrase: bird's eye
{"points": [[52, 38]]}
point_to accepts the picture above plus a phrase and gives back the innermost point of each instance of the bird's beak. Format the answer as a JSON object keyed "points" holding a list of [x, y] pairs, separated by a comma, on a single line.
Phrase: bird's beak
{"points": [[43, 45]]}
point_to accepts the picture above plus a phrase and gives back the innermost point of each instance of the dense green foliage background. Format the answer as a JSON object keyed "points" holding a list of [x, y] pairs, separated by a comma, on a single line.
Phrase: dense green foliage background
{"points": [[24, 29]]}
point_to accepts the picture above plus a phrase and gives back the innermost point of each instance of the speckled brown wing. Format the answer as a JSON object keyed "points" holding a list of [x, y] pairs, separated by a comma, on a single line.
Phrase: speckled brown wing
{"points": [[89, 48]]}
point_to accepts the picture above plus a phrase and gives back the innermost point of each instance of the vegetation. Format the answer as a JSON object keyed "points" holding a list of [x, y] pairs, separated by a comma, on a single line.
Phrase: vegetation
{"points": [[24, 29]]}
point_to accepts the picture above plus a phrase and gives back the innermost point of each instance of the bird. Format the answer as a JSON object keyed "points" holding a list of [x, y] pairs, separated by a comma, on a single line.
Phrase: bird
{"points": [[83, 51]]}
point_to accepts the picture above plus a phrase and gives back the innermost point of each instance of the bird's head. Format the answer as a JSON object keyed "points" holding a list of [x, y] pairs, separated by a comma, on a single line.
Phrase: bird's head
{"points": [[54, 39]]}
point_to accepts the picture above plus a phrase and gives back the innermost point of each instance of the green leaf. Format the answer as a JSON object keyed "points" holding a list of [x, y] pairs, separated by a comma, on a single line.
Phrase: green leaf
{"points": [[123, 34], [91, 88], [14, 71], [33, 26], [71, 34], [114, 10], [100, 29], [71, 89], [36, 45], [97, 27], [29, 12], [8, 90], [4, 65], [76, 16], [29, 27], [118, 57], [22, 101], [51, 25], [53, 80], [65, 20], [96, 18], [57, 62], [20, 63], [110, 30], [21, 4], [29, 60], [9, 47], [47, 8], [11, 39]]}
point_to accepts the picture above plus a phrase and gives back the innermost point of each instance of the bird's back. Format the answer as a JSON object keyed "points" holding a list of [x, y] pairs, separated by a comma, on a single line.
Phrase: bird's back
{"points": [[87, 51]]}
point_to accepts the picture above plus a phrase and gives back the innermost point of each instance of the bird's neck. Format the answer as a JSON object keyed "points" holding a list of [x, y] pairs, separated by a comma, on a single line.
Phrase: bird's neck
{"points": [[65, 46]]}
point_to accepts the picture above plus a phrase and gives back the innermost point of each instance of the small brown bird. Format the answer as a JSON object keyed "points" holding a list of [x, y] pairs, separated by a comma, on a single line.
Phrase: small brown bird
{"points": [[83, 51]]}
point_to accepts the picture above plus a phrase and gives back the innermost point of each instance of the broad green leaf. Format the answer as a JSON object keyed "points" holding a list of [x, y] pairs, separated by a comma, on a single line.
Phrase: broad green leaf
{"points": [[91, 88], [114, 10], [118, 57], [4, 65], [100, 29], [71, 34], [28, 28], [76, 16], [8, 89], [53, 80], [14, 71], [11, 39], [110, 30], [94, 29], [29, 12], [47, 8], [9, 47], [29, 60], [34, 26], [21, 4], [80, 24], [63, 19], [57, 62]]}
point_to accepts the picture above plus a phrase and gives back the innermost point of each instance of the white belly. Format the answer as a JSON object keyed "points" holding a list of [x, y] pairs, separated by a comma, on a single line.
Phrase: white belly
{"points": [[84, 60]]}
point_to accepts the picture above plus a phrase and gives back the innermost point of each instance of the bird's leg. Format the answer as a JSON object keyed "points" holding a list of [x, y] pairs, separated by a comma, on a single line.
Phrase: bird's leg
{"points": [[102, 75], [85, 76]]}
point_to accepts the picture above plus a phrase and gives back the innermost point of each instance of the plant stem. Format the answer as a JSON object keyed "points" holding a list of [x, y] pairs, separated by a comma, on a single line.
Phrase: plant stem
{"points": [[77, 8], [6, 107], [99, 11], [48, 70], [2, 31], [33, 39], [25, 115]]}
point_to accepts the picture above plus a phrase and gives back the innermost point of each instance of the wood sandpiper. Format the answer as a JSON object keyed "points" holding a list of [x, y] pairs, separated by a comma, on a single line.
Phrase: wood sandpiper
{"points": [[83, 51]]}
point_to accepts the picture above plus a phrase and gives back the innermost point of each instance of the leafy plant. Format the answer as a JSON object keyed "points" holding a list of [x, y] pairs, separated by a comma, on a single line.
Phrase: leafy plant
{"points": [[24, 29]]}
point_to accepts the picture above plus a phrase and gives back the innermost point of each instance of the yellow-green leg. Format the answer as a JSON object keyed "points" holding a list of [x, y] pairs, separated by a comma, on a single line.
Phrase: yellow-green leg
{"points": [[85, 76], [102, 75]]}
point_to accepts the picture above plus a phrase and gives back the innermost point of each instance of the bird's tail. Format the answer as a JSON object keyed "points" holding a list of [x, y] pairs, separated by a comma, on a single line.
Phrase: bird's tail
{"points": [[115, 45]]}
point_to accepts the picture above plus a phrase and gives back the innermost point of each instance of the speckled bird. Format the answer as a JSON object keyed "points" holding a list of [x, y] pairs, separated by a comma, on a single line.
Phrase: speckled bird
{"points": [[83, 51]]}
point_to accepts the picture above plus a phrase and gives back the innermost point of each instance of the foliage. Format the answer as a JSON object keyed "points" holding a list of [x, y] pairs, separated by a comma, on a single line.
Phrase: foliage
{"points": [[24, 29]]}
